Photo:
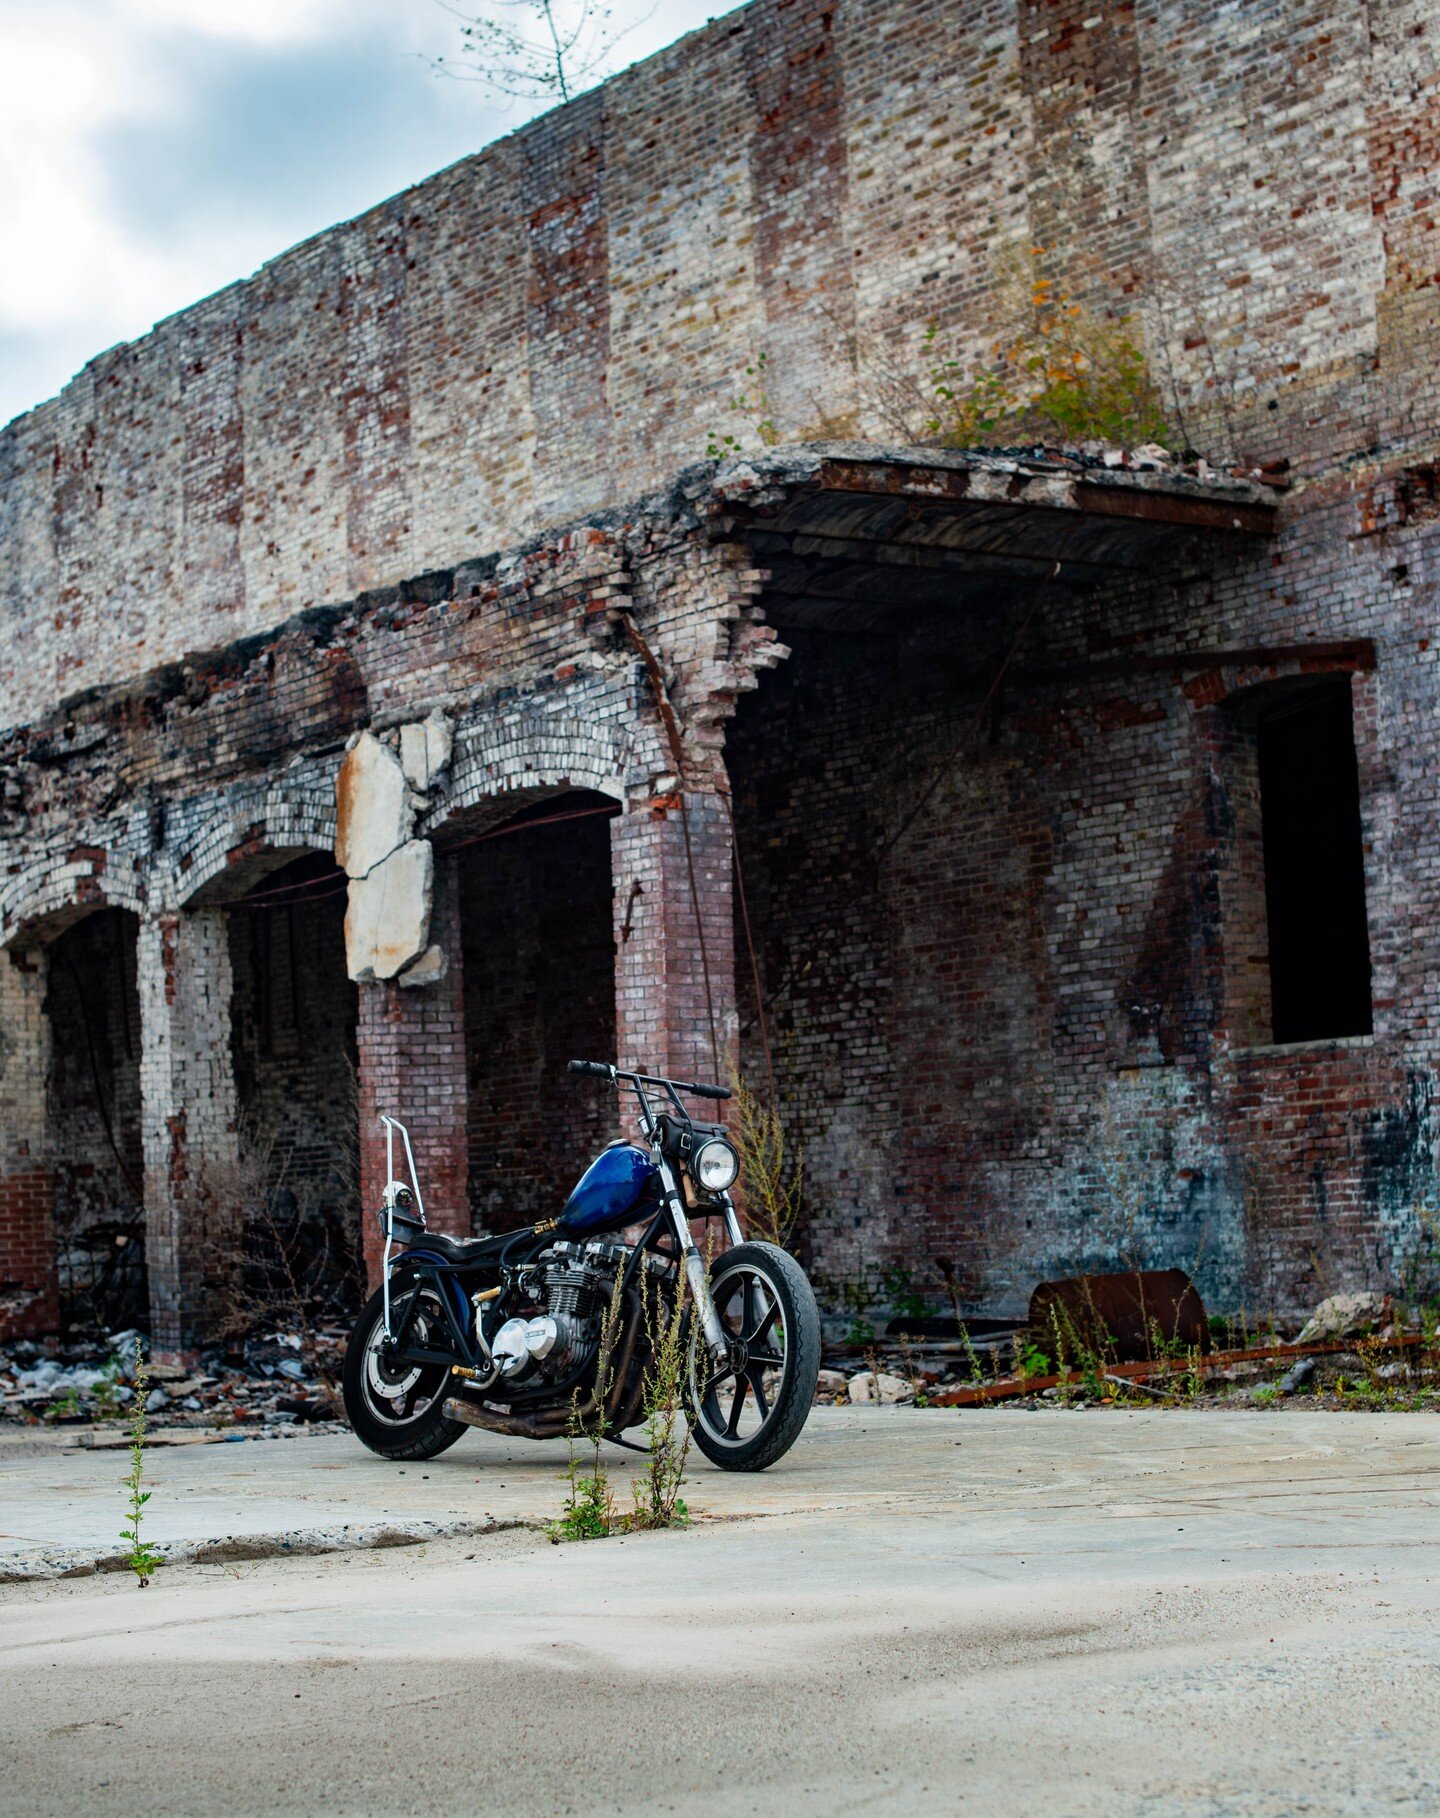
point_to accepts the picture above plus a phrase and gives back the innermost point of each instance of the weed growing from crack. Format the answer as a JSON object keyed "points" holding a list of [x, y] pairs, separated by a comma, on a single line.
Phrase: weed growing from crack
{"points": [[589, 1511], [656, 1490], [142, 1558]]}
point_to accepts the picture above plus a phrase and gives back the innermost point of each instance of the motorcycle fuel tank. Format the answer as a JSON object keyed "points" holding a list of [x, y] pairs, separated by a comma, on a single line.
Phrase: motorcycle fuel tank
{"points": [[608, 1191]]}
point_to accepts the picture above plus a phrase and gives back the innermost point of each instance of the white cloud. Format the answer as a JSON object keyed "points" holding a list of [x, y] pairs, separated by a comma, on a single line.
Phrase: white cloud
{"points": [[250, 21]]}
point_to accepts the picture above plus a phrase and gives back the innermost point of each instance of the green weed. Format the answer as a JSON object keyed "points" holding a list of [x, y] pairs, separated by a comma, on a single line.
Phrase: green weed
{"points": [[142, 1558]]}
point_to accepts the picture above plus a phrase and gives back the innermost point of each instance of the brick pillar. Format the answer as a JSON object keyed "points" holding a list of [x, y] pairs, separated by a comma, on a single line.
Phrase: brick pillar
{"points": [[29, 1287], [411, 1042], [662, 1016], [194, 1186]]}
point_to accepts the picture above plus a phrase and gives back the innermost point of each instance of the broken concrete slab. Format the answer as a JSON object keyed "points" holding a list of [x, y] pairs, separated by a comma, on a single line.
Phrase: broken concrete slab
{"points": [[429, 969], [374, 812], [387, 925]]}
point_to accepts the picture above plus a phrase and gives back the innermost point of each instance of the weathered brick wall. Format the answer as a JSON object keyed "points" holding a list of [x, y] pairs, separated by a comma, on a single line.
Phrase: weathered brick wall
{"points": [[29, 1288], [560, 322], [1009, 967], [412, 1067], [208, 539]]}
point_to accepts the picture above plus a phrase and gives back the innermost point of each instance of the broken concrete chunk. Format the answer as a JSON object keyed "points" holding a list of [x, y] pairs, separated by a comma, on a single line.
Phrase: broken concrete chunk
{"points": [[1342, 1316], [387, 924], [429, 969], [425, 749], [880, 1385], [413, 760], [439, 742], [373, 809]]}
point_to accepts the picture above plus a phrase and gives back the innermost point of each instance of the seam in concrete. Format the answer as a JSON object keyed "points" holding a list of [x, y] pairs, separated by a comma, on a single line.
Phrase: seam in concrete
{"points": [[85, 1562]]}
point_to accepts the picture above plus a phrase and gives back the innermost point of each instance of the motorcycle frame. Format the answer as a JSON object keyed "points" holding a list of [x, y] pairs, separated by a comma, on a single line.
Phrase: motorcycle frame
{"points": [[448, 1279]]}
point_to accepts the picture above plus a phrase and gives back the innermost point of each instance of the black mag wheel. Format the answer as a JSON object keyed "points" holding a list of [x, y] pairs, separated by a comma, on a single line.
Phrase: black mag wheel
{"points": [[749, 1411], [397, 1408]]}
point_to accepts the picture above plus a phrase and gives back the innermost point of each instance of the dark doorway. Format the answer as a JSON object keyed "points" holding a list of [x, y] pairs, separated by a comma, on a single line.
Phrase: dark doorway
{"points": [[1314, 866], [93, 1115], [293, 1014], [539, 957]]}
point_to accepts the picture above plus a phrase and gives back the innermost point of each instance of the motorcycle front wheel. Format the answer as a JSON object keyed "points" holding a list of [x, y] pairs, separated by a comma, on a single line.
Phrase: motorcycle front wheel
{"points": [[749, 1411], [396, 1408]]}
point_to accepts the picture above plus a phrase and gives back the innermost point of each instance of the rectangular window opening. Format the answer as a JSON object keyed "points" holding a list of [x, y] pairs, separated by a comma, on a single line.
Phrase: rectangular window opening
{"points": [[1314, 866]]}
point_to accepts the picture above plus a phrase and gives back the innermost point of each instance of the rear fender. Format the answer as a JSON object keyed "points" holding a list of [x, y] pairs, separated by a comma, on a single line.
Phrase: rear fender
{"points": [[426, 1266]]}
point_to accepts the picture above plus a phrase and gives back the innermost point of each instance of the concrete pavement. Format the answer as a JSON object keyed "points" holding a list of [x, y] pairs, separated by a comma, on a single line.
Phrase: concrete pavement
{"points": [[1157, 1611]]}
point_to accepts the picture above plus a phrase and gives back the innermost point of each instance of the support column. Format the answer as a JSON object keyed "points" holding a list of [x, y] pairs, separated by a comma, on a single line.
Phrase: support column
{"points": [[674, 974], [411, 1041], [29, 1284], [194, 1180]]}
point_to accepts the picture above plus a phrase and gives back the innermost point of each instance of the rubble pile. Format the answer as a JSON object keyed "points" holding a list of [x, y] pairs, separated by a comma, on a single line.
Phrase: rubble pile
{"points": [[271, 1380], [1358, 1350]]}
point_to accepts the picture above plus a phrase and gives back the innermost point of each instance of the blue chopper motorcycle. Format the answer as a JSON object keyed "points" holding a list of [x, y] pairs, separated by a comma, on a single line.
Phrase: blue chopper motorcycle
{"points": [[544, 1330]]}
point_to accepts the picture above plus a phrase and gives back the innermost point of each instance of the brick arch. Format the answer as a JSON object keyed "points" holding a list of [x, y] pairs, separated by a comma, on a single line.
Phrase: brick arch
{"points": [[534, 753], [57, 891], [225, 855]]}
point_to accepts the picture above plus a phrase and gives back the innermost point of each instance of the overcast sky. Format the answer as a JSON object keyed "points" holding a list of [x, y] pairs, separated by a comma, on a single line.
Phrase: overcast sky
{"points": [[153, 150]]}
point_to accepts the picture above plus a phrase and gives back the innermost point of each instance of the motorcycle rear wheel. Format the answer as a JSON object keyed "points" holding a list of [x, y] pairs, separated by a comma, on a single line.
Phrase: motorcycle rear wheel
{"points": [[747, 1414], [397, 1410]]}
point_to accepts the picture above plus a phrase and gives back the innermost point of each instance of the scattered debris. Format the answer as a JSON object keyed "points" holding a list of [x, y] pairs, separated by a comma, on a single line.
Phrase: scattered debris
{"points": [[261, 1382], [1344, 1316], [880, 1385], [1369, 1353]]}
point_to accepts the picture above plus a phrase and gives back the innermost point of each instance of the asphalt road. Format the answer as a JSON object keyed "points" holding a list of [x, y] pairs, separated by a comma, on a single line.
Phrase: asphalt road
{"points": [[1151, 1612]]}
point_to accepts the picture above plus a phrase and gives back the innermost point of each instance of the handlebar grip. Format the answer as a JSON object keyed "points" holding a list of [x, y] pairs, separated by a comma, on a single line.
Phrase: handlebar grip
{"points": [[596, 1069], [708, 1091]]}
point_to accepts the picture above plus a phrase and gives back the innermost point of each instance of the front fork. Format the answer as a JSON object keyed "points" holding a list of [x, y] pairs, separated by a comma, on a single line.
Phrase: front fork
{"points": [[696, 1273]]}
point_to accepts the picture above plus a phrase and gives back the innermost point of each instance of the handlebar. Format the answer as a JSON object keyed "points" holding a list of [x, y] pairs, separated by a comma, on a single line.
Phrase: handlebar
{"points": [[599, 1070]]}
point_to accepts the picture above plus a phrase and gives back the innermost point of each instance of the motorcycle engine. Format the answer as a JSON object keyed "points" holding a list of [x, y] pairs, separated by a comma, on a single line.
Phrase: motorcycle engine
{"points": [[573, 1283]]}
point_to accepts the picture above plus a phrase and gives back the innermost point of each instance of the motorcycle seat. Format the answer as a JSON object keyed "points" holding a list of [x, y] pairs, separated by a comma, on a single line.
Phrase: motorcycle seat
{"points": [[465, 1250]]}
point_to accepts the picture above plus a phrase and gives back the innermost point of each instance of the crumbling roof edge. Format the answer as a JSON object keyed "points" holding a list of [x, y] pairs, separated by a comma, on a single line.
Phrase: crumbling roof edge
{"points": [[805, 463]]}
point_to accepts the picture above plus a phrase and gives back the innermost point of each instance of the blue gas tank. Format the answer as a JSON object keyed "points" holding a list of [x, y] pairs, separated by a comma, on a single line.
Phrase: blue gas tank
{"points": [[608, 1191]]}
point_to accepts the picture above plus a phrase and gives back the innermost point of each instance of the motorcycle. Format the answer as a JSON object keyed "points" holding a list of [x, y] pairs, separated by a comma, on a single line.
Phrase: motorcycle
{"points": [[552, 1329]]}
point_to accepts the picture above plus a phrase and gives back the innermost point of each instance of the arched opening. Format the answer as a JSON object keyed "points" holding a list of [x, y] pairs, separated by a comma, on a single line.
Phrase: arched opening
{"points": [[293, 1016], [538, 947], [93, 1120]]}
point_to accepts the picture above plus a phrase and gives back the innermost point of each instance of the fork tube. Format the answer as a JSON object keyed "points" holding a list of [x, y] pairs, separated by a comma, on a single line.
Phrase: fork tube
{"points": [[694, 1266], [389, 1233]]}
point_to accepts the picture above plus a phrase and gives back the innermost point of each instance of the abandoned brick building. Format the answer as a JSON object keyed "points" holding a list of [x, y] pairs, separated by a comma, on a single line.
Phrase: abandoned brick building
{"points": [[1083, 815]]}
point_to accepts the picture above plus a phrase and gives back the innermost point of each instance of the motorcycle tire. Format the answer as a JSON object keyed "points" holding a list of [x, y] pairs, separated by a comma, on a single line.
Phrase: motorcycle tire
{"points": [[397, 1412], [757, 1285]]}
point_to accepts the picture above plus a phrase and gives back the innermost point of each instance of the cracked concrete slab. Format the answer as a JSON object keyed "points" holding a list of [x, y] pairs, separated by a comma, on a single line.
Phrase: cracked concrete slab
{"points": [[373, 809], [1214, 1614], [387, 920]]}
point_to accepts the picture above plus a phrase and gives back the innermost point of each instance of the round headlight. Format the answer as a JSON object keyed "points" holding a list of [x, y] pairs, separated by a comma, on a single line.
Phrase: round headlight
{"points": [[716, 1165]]}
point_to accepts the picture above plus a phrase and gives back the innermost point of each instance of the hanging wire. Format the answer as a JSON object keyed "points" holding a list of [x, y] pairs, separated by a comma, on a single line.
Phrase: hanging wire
{"points": [[672, 734], [314, 889]]}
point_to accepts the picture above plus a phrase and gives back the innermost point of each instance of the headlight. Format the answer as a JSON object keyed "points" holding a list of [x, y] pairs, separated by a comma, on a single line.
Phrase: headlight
{"points": [[716, 1165]]}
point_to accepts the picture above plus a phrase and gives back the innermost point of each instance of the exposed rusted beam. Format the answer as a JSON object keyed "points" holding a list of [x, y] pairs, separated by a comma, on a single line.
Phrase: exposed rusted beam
{"points": [[1357, 654]]}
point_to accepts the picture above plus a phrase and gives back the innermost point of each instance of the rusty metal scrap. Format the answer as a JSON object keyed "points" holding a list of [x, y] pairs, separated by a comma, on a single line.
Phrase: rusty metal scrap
{"points": [[974, 1395]]}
